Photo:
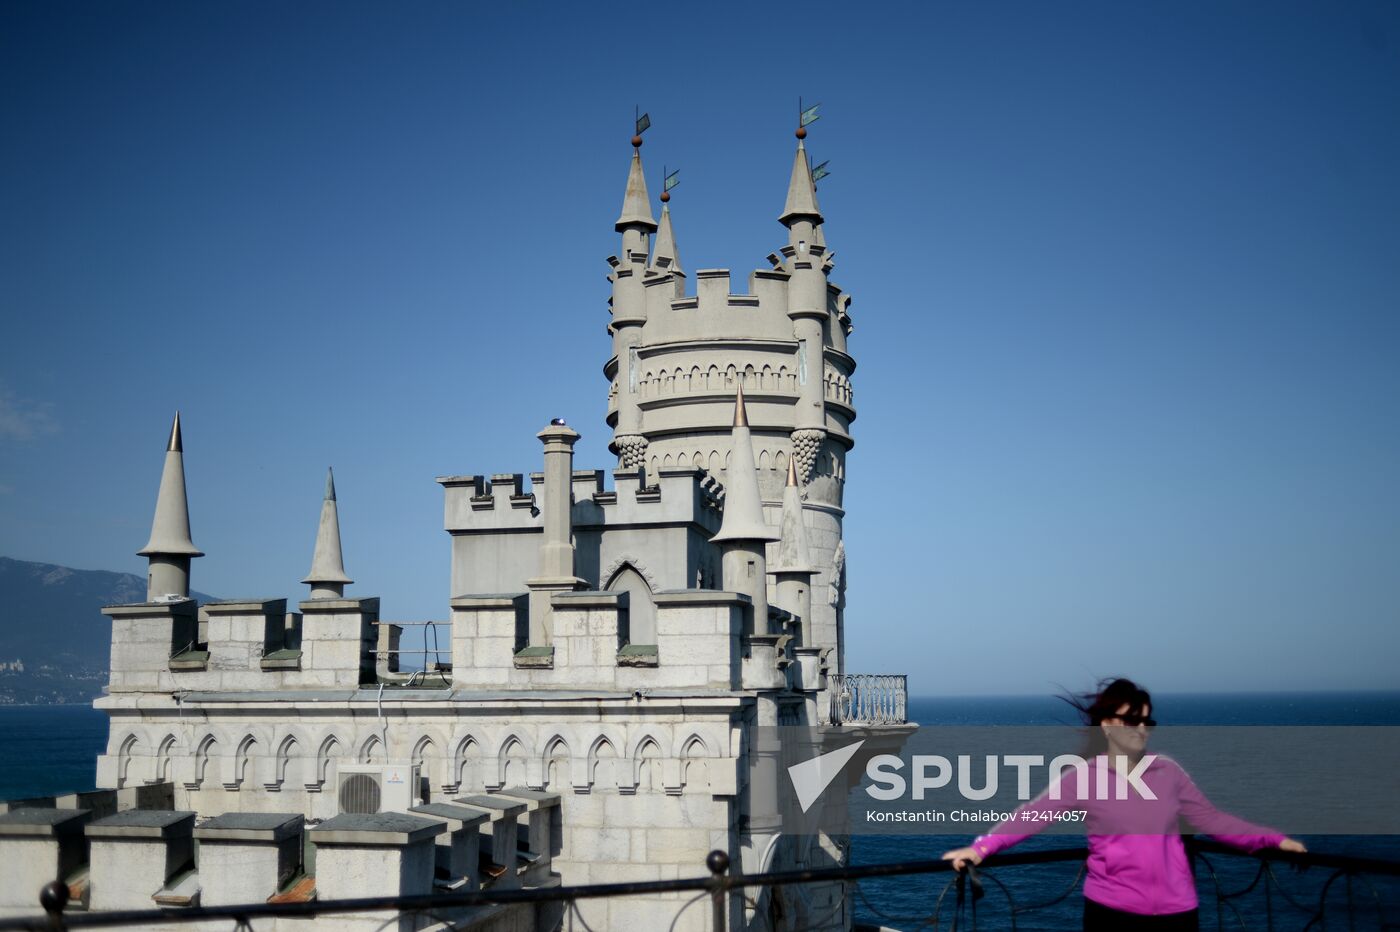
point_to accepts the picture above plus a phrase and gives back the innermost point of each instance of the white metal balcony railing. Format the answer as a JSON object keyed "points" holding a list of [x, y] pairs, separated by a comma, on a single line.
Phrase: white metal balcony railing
{"points": [[868, 698]]}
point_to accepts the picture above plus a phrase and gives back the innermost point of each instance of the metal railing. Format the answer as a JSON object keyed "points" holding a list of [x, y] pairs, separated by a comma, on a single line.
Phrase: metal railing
{"points": [[957, 904], [868, 698], [436, 665]]}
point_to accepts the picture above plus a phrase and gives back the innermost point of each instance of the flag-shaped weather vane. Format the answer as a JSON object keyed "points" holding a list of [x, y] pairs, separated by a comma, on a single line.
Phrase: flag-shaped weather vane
{"points": [[642, 121], [669, 181], [806, 115]]}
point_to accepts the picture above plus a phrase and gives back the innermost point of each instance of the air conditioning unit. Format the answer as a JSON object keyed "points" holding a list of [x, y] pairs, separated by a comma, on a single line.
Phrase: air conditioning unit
{"points": [[364, 789]]}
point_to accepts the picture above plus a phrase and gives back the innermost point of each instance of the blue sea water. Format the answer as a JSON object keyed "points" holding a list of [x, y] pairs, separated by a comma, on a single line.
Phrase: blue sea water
{"points": [[52, 749], [911, 902], [46, 750]]}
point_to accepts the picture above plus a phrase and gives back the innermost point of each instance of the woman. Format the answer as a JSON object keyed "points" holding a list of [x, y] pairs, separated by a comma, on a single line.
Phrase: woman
{"points": [[1137, 875]]}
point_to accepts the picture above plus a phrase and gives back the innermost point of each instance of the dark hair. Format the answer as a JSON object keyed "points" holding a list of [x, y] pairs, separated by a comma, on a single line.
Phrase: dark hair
{"points": [[1111, 695]]}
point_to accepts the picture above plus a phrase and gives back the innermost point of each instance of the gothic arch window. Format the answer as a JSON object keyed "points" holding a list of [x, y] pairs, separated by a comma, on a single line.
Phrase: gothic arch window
{"points": [[424, 755], [467, 765], [286, 751], [695, 769], [162, 771], [326, 755], [124, 755], [647, 765], [202, 754], [555, 763], [641, 611], [602, 763], [512, 763]]}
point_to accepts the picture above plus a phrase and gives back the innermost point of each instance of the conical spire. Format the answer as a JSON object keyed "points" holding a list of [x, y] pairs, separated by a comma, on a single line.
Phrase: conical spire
{"points": [[743, 510], [666, 255], [636, 203], [170, 529], [792, 556], [802, 193], [327, 577]]}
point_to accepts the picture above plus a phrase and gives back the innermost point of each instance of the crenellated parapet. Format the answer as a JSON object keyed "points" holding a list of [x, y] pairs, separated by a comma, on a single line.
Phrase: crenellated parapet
{"points": [[663, 517]]}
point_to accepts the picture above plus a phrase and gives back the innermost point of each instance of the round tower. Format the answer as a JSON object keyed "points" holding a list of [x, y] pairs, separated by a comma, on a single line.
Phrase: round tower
{"points": [[680, 357]]}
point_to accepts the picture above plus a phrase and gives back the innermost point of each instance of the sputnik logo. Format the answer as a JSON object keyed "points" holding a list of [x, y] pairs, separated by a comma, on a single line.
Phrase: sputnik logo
{"points": [[811, 777]]}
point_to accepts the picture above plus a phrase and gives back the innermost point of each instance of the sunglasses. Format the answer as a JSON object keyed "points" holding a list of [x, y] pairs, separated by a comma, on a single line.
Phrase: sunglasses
{"points": [[1133, 719]]}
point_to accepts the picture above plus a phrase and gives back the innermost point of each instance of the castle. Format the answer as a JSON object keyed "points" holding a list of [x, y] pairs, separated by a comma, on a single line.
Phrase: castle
{"points": [[588, 714]]}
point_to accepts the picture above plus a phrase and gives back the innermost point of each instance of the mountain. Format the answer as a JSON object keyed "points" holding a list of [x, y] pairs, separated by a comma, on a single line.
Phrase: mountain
{"points": [[51, 623]]}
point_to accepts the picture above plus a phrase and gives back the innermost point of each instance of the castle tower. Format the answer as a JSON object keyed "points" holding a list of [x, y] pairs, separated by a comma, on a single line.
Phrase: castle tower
{"points": [[170, 548], [743, 532], [629, 313], [327, 577], [792, 566], [679, 358]]}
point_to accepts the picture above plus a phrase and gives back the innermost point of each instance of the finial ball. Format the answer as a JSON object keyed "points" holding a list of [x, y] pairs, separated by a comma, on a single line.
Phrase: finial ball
{"points": [[801, 132], [54, 896], [636, 142], [665, 196], [717, 861]]}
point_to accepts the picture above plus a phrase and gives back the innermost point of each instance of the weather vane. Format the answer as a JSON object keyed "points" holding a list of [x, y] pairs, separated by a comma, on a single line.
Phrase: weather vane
{"points": [[668, 182], [807, 115], [643, 120]]}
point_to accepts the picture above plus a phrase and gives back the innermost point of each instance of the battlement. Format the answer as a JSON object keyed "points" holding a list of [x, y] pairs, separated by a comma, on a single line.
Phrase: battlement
{"points": [[114, 851], [500, 504]]}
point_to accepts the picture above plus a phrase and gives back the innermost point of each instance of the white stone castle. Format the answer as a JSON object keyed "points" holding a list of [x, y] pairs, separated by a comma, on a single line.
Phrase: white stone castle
{"points": [[591, 717]]}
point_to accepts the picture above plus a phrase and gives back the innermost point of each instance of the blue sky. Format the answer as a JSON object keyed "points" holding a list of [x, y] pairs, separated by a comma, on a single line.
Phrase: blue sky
{"points": [[1126, 287]]}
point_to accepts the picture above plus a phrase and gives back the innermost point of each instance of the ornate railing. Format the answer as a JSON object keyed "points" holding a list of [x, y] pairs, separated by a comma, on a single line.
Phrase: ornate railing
{"points": [[868, 698], [1362, 893]]}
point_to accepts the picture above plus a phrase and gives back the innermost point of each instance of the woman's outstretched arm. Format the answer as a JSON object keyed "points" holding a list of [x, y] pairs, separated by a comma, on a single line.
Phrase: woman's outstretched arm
{"points": [[1201, 813], [1022, 824]]}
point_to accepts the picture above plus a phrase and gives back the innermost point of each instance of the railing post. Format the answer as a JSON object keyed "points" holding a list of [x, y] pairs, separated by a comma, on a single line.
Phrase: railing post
{"points": [[53, 897], [718, 863]]}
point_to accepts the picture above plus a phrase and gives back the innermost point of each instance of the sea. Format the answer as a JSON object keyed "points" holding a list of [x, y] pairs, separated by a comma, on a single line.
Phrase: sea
{"points": [[46, 750]]}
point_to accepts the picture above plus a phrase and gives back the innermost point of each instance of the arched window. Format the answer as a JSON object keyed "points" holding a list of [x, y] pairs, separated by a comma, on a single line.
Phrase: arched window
{"points": [[641, 611]]}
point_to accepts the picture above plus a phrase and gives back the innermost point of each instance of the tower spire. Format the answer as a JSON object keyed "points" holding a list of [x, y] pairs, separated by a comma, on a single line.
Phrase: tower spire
{"points": [[743, 533], [802, 192], [327, 577], [743, 509], [170, 548], [666, 255], [792, 555], [636, 203]]}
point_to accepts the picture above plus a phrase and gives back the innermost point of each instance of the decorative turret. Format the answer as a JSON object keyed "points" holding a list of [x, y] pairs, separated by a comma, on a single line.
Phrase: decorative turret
{"points": [[170, 548], [793, 568], [556, 563], [327, 577], [629, 311], [666, 256], [807, 308], [743, 530]]}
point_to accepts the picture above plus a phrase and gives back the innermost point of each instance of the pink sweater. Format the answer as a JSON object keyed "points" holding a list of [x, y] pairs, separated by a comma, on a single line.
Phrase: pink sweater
{"points": [[1137, 862]]}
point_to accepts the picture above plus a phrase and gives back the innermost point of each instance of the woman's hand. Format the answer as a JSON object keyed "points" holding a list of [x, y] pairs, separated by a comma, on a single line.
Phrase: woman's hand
{"points": [[962, 857], [1288, 844]]}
